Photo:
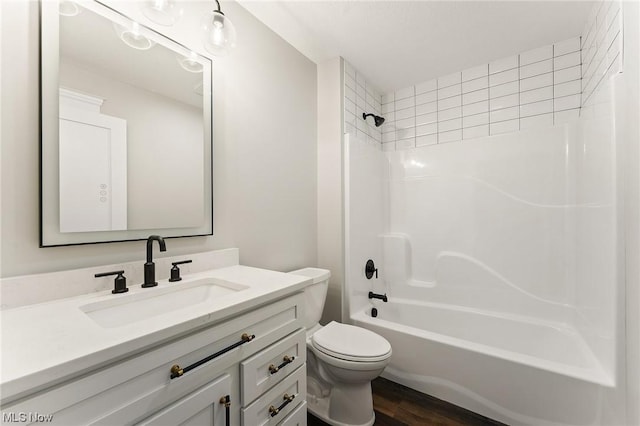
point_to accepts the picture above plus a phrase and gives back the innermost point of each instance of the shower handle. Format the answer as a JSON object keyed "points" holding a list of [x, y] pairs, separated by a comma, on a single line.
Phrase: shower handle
{"points": [[370, 269]]}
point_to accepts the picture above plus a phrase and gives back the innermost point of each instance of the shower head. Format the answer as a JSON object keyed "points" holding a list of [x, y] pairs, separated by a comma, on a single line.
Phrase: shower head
{"points": [[376, 118]]}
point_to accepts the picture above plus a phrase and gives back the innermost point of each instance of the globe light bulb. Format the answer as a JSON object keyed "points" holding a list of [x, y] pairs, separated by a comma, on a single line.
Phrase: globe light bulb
{"points": [[218, 33], [163, 12]]}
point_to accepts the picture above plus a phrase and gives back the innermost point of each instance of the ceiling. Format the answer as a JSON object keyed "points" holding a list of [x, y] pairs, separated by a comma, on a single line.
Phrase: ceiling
{"points": [[399, 43]]}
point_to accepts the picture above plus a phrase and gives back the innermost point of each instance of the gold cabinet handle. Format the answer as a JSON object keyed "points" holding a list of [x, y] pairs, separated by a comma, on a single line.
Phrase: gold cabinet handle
{"points": [[285, 360], [273, 411], [226, 401], [176, 371]]}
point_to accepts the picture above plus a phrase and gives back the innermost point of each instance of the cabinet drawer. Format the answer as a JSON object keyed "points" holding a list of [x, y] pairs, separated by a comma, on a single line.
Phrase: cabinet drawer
{"points": [[269, 366], [297, 417], [201, 407], [128, 391], [262, 410]]}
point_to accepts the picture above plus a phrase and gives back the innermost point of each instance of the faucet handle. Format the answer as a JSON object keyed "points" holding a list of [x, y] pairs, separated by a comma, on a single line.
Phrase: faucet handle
{"points": [[175, 271], [120, 282], [370, 269]]}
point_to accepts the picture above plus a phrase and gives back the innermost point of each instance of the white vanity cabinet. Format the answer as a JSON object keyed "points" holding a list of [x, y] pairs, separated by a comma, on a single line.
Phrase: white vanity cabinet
{"points": [[218, 361]]}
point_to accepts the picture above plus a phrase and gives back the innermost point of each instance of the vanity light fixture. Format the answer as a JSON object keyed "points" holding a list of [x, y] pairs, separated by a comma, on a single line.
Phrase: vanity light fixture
{"points": [[163, 12], [218, 33], [132, 36]]}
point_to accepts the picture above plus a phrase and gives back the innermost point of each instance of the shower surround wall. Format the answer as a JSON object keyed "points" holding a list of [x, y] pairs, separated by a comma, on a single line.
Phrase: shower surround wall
{"points": [[601, 47], [360, 97], [532, 89]]}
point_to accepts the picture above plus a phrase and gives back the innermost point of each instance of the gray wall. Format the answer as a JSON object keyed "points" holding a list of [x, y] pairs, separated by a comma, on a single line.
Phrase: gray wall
{"points": [[630, 130], [330, 178], [264, 149]]}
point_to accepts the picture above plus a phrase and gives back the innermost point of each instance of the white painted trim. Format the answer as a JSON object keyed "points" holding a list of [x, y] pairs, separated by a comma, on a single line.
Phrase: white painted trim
{"points": [[67, 94]]}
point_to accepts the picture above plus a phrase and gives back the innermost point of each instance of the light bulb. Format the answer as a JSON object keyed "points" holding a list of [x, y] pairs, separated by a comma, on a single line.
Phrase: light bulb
{"points": [[163, 12], [133, 36], [190, 63], [68, 8], [218, 33]]}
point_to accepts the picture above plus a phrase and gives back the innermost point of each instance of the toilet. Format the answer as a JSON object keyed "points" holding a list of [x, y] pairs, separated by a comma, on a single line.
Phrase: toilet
{"points": [[342, 360]]}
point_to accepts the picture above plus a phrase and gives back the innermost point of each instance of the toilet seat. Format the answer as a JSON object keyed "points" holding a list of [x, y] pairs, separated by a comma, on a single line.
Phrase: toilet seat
{"points": [[351, 343]]}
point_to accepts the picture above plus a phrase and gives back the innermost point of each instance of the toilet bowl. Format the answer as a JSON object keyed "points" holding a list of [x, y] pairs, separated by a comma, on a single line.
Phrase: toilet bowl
{"points": [[342, 360]]}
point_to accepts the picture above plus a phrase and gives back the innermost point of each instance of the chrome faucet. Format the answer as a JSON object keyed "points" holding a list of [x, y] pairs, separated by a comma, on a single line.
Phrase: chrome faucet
{"points": [[150, 267]]}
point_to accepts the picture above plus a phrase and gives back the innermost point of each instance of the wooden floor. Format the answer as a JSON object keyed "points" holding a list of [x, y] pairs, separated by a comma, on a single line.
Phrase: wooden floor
{"points": [[397, 405]]}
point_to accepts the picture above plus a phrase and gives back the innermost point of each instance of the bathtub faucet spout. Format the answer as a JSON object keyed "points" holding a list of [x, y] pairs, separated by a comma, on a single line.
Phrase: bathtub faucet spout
{"points": [[382, 297]]}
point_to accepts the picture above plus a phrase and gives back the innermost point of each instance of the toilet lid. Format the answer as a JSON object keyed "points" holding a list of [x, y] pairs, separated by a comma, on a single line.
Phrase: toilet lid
{"points": [[351, 343]]}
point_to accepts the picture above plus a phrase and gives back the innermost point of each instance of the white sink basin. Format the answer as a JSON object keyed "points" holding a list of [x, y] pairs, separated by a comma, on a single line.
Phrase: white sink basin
{"points": [[128, 308]]}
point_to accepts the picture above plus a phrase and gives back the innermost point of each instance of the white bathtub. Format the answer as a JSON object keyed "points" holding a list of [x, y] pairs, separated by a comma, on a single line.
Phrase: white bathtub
{"points": [[513, 369]]}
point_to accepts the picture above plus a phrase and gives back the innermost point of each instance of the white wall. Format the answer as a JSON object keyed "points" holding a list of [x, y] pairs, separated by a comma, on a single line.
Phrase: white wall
{"points": [[264, 149], [630, 130], [330, 228]]}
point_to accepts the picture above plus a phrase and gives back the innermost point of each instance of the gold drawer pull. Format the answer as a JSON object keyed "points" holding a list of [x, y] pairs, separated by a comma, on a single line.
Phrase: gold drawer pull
{"points": [[176, 371], [287, 399], [285, 360], [226, 401]]}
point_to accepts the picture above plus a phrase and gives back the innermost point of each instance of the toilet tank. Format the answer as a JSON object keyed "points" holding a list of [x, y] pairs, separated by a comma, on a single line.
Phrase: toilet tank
{"points": [[315, 294]]}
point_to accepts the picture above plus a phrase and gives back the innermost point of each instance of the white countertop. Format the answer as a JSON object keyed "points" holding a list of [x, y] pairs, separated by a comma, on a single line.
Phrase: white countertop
{"points": [[45, 343]]}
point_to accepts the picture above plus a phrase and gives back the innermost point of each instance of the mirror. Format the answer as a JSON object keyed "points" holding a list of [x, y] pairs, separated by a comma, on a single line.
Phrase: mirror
{"points": [[126, 130]]}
